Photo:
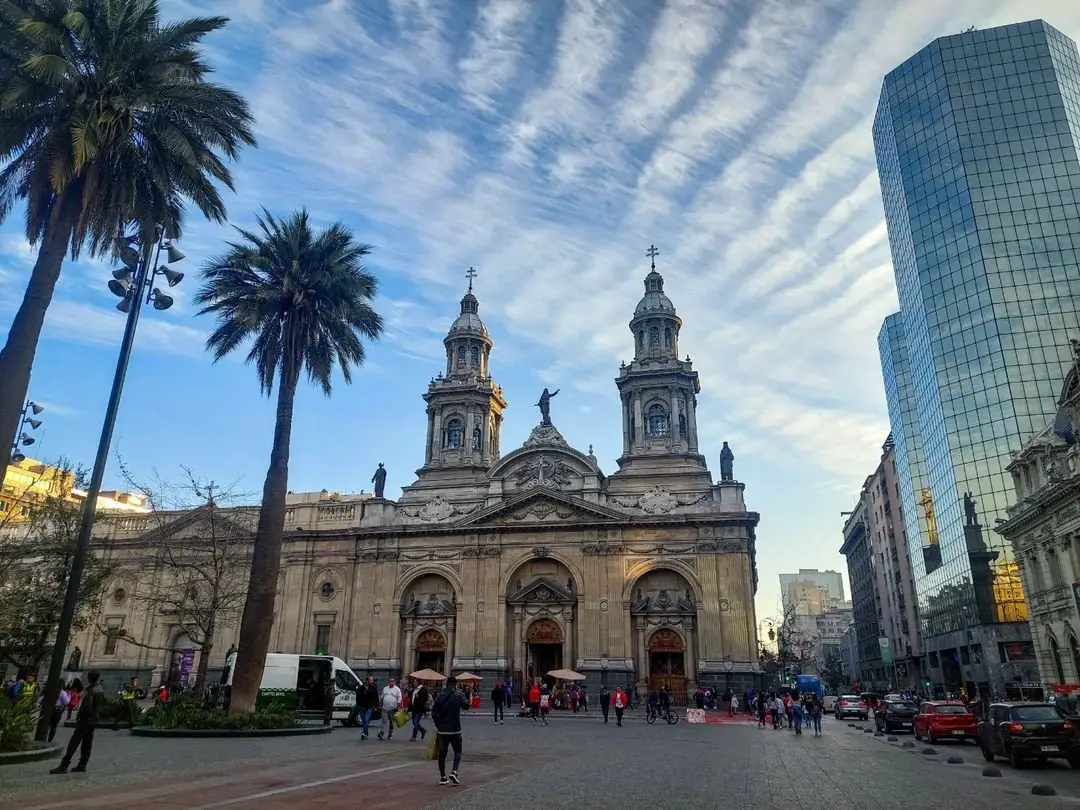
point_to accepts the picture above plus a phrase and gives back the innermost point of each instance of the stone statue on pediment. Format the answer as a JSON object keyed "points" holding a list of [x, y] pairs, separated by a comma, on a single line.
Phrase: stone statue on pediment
{"points": [[727, 463], [379, 480]]}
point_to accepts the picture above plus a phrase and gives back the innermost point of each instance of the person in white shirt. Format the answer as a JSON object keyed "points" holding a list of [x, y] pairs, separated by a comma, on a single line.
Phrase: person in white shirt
{"points": [[390, 702]]}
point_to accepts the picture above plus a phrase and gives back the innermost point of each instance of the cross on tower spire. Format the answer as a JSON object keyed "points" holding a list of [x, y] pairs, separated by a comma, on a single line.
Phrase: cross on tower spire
{"points": [[470, 274], [652, 253]]}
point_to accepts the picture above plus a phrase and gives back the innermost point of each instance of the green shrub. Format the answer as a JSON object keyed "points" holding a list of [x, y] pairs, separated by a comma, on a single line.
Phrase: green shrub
{"points": [[191, 713], [17, 723]]}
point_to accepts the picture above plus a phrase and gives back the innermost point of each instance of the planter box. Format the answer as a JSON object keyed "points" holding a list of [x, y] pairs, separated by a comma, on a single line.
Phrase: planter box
{"points": [[299, 731]]}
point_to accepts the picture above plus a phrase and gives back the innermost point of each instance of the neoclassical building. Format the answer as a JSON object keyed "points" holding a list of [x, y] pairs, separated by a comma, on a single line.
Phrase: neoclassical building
{"points": [[1043, 526], [512, 564]]}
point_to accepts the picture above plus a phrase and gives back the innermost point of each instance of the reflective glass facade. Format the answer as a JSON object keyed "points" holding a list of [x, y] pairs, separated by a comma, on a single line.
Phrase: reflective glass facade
{"points": [[976, 140]]}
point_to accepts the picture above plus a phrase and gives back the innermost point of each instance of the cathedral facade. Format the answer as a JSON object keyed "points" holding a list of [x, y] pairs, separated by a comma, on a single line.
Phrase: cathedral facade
{"points": [[513, 564]]}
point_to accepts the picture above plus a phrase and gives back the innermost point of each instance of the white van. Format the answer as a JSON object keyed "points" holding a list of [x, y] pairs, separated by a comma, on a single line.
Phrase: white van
{"points": [[298, 672]]}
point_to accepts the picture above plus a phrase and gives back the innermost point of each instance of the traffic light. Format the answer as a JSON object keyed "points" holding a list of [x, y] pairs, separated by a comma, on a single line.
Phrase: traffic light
{"points": [[926, 683]]}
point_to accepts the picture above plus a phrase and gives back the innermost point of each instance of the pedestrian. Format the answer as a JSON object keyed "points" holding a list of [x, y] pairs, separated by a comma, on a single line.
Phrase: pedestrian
{"points": [[534, 701], [83, 736], [797, 717], [605, 701], [498, 702], [816, 710], [127, 703], [418, 703], [366, 698], [446, 715], [733, 707], [621, 701], [545, 703], [761, 710], [777, 713], [63, 700], [389, 703]]}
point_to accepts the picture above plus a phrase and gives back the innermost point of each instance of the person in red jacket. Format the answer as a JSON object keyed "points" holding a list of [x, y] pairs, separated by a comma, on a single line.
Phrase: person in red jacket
{"points": [[620, 701], [534, 701]]}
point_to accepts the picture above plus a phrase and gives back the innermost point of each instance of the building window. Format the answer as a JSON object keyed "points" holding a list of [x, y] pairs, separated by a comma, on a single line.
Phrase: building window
{"points": [[657, 421], [455, 431], [654, 336], [641, 339], [477, 439], [633, 429], [322, 639], [114, 629], [1055, 655], [667, 338], [475, 356], [682, 426], [1056, 577], [461, 356]]}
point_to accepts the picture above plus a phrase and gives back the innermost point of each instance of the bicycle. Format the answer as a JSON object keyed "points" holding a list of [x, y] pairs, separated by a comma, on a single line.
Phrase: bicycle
{"points": [[671, 717]]}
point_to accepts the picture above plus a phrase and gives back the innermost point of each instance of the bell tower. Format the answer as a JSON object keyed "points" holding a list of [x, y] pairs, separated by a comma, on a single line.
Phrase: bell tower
{"points": [[658, 390], [464, 404]]}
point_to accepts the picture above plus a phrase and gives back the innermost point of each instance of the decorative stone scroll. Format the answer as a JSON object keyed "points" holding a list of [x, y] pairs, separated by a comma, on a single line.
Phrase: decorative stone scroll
{"points": [[543, 471], [657, 500], [604, 548], [542, 509], [439, 509], [545, 436]]}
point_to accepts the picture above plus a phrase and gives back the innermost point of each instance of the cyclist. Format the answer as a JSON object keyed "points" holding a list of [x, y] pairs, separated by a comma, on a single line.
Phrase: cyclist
{"points": [[664, 700], [654, 703]]}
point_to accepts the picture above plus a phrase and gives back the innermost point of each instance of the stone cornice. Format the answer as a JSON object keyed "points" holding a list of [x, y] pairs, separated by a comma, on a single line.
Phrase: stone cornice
{"points": [[1043, 504]]}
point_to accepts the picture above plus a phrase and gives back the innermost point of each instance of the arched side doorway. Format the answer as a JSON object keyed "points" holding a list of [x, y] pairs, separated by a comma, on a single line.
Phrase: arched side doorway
{"points": [[667, 663], [544, 641]]}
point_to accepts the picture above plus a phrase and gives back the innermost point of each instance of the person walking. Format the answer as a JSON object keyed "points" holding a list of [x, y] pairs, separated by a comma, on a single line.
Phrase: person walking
{"points": [[418, 704], [545, 703], [621, 701], [498, 703], [127, 700], [605, 701], [816, 710], [366, 698], [446, 715], [760, 700], [534, 701], [797, 717], [63, 700], [389, 704], [83, 736]]}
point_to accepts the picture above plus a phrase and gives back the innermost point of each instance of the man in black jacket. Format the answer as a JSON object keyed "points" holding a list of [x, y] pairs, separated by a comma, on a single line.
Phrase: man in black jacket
{"points": [[498, 701], [83, 736], [418, 704], [366, 697], [446, 714]]}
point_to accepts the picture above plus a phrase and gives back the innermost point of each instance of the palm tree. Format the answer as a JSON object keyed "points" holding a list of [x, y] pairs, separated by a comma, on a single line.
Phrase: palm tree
{"points": [[106, 119], [301, 299]]}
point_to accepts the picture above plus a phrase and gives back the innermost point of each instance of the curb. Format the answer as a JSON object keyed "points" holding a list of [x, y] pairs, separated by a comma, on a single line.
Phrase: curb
{"points": [[39, 752], [299, 731]]}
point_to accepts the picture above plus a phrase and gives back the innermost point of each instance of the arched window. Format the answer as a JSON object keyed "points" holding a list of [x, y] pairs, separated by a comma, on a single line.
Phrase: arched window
{"points": [[654, 285], [455, 431], [476, 439], [633, 430], [667, 338], [461, 355], [654, 336], [657, 420], [475, 356], [682, 425], [1055, 654], [641, 339], [1075, 648]]}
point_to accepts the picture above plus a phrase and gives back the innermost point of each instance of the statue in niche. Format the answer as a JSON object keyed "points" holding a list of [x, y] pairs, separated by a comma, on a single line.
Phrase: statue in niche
{"points": [[663, 600], [379, 480], [727, 463], [545, 406]]}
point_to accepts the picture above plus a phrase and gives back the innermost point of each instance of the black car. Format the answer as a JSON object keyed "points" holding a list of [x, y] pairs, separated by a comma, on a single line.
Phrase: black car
{"points": [[1028, 731], [895, 716]]}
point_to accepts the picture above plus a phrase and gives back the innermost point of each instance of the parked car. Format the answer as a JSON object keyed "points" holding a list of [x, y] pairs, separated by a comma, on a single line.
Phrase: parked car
{"points": [[828, 703], [895, 715], [851, 706], [944, 720], [1028, 731]]}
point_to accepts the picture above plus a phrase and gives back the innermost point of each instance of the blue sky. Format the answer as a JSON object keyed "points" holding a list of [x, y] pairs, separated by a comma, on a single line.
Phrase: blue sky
{"points": [[547, 144]]}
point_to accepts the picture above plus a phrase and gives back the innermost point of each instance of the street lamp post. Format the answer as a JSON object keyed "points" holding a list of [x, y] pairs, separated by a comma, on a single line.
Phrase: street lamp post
{"points": [[132, 283], [22, 438]]}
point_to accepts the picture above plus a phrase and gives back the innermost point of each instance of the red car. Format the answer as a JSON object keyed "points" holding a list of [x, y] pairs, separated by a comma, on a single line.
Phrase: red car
{"points": [[945, 720]]}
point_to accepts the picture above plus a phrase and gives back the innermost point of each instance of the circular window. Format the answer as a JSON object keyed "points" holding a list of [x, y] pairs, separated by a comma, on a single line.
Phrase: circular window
{"points": [[327, 591], [119, 595]]}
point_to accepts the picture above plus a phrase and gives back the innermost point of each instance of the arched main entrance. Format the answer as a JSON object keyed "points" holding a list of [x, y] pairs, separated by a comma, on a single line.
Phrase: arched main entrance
{"points": [[667, 663], [430, 652], [544, 640]]}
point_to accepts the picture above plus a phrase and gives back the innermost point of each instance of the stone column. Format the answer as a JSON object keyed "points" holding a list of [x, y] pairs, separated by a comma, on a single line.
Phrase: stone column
{"points": [[430, 435], [517, 648], [639, 422], [407, 655], [673, 417], [436, 434], [691, 656], [485, 437], [451, 633], [568, 643], [625, 426], [642, 651], [691, 421]]}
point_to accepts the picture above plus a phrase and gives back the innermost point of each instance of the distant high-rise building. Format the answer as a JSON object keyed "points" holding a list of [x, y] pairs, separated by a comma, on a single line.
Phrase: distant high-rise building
{"points": [[976, 142], [810, 591], [858, 549]]}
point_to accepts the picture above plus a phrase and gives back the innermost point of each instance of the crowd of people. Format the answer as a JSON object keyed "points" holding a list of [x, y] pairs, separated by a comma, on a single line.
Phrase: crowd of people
{"points": [[790, 708]]}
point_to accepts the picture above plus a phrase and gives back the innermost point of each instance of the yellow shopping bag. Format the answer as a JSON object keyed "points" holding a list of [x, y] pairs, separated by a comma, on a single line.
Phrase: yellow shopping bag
{"points": [[433, 746], [401, 718]]}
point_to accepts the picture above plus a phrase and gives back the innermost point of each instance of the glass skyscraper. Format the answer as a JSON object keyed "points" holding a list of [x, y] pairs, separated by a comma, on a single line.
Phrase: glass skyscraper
{"points": [[976, 139]]}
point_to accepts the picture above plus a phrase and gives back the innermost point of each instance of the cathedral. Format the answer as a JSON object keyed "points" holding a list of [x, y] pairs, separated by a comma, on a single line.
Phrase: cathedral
{"points": [[509, 564]]}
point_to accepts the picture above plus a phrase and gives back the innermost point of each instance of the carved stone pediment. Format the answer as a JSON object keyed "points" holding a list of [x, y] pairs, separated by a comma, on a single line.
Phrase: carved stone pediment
{"points": [[543, 505], [658, 501], [438, 510], [543, 591], [542, 470], [663, 602], [432, 606]]}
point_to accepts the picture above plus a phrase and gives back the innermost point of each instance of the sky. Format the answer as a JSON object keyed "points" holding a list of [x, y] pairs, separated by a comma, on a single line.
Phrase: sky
{"points": [[547, 144]]}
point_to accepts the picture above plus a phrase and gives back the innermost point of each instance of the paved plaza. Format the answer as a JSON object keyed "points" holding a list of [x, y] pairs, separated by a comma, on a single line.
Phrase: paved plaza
{"points": [[572, 763]]}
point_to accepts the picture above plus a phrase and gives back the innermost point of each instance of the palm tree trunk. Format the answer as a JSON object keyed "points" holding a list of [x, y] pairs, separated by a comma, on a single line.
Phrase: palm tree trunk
{"points": [[258, 619], [17, 356]]}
